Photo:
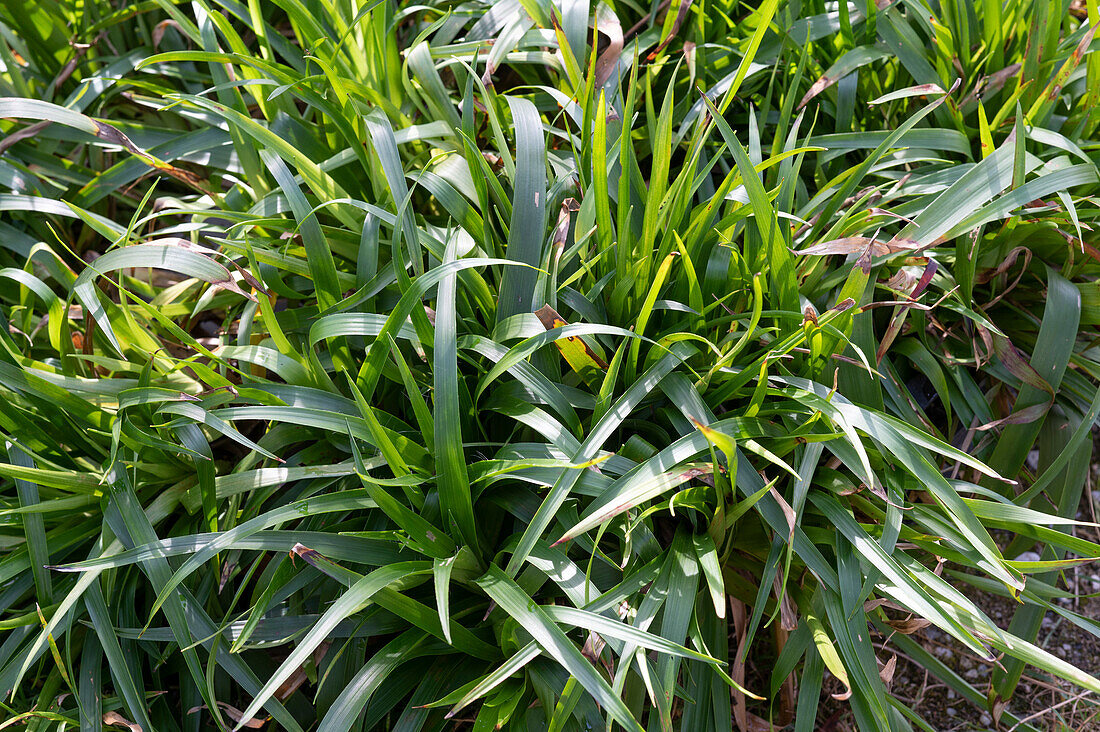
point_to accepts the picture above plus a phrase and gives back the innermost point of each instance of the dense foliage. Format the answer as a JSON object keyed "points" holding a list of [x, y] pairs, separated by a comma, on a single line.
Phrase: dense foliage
{"points": [[544, 365]]}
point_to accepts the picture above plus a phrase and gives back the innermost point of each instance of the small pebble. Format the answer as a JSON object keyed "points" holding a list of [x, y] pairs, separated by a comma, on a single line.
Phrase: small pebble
{"points": [[950, 693], [1028, 557], [972, 674], [951, 711], [986, 720]]}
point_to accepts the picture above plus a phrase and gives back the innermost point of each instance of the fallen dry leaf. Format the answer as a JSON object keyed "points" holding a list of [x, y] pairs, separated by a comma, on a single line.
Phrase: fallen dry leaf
{"points": [[878, 602], [114, 719], [233, 713], [908, 627], [886, 673]]}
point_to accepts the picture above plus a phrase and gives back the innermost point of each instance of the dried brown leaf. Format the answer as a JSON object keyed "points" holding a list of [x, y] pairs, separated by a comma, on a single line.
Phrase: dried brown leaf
{"points": [[161, 27], [909, 625], [114, 719], [878, 602], [845, 245], [818, 86], [1019, 366], [234, 714], [754, 723], [26, 133], [561, 231], [788, 512], [1026, 415], [788, 618], [737, 669], [901, 281], [886, 673], [607, 22]]}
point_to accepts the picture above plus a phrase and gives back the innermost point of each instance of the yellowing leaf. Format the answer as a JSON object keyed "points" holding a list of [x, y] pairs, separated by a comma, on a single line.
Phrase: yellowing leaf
{"points": [[578, 354]]}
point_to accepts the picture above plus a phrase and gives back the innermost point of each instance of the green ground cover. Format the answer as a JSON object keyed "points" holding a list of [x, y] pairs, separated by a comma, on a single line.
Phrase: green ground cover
{"points": [[539, 365]]}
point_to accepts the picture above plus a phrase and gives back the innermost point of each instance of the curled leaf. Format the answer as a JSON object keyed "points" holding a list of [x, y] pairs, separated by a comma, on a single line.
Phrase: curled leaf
{"points": [[561, 231], [114, 719], [908, 626], [886, 673], [608, 24], [234, 714], [161, 27]]}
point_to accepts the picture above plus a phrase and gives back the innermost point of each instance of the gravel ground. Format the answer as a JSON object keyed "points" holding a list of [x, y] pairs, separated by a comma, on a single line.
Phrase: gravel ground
{"points": [[1049, 703], [1044, 702]]}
